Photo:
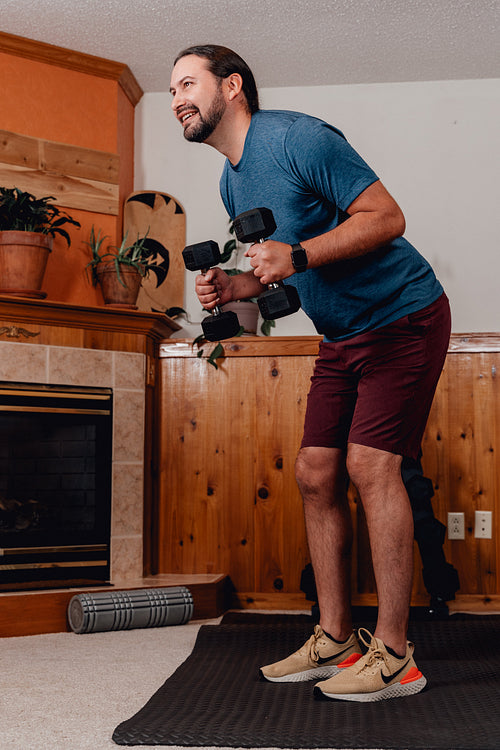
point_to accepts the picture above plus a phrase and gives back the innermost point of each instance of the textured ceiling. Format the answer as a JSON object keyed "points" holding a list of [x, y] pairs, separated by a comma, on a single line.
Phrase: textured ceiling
{"points": [[285, 42]]}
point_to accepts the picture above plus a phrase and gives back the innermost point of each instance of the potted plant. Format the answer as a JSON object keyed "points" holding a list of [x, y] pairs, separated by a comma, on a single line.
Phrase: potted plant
{"points": [[119, 269], [248, 309], [28, 226]]}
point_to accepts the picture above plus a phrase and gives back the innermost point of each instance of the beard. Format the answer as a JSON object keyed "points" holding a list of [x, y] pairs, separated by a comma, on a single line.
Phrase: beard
{"points": [[203, 129]]}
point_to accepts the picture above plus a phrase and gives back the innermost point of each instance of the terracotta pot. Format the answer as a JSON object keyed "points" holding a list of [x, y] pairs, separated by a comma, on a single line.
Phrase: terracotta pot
{"points": [[248, 315], [23, 260], [114, 293]]}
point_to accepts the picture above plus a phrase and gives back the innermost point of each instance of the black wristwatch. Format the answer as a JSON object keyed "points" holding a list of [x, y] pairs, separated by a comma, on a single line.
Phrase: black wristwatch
{"points": [[299, 258]]}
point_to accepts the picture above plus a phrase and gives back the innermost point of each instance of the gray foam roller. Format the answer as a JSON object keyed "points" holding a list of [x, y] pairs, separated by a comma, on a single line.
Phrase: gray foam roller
{"points": [[124, 610]]}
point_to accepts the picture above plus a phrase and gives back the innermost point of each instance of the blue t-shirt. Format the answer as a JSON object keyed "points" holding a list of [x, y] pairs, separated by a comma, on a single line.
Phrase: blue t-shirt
{"points": [[306, 172]]}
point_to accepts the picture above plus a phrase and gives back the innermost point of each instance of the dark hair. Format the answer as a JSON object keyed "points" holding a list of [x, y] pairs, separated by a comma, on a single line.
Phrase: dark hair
{"points": [[222, 62]]}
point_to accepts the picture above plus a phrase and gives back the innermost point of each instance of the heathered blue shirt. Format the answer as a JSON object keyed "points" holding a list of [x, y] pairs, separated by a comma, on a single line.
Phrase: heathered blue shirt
{"points": [[306, 172]]}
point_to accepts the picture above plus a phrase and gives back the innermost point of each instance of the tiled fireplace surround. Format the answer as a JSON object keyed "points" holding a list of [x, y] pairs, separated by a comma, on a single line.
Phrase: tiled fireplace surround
{"points": [[124, 372]]}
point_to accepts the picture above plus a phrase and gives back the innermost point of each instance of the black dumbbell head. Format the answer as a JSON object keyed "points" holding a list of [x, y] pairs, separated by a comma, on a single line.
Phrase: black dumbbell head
{"points": [[202, 255], [279, 301], [254, 225], [224, 325]]}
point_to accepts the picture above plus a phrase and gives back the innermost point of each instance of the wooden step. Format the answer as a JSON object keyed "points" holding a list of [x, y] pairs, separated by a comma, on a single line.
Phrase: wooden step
{"points": [[44, 611]]}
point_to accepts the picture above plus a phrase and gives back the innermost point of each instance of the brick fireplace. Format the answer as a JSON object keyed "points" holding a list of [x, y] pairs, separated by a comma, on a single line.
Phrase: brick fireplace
{"points": [[48, 342], [62, 344], [125, 374]]}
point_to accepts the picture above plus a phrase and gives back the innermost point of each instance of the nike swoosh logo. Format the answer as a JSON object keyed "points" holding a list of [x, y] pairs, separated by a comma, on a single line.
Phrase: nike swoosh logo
{"points": [[324, 660], [394, 674]]}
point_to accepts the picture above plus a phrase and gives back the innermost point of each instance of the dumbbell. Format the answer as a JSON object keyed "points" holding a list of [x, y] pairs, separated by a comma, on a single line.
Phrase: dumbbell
{"points": [[221, 324], [279, 299]]}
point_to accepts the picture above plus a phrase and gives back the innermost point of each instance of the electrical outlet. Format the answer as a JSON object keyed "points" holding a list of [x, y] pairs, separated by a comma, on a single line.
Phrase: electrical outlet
{"points": [[456, 526], [482, 528]]}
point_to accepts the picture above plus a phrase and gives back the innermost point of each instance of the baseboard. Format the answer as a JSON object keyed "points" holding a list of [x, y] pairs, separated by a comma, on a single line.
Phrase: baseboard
{"points": [[473, 603]]}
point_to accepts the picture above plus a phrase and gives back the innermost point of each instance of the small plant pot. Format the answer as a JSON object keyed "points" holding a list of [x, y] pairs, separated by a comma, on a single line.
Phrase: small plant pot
{"points": [[23, 260], [248, 315], [118, 294]]}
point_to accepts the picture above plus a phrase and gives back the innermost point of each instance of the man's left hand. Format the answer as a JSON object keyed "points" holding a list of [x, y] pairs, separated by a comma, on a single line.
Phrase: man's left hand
{"points": [[271, 261]]}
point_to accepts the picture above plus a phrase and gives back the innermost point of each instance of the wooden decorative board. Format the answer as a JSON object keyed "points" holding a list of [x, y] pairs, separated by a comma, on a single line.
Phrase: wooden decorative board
{"points": [[77, 177], [164, 220]]}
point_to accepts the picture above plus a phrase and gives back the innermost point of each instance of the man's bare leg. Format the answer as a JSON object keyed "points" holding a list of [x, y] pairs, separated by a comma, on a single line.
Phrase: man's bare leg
{"points": [[377, 476], [322, 480]]}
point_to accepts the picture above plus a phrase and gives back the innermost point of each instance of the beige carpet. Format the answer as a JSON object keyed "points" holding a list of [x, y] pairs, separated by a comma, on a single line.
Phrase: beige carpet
{"points": [[65, 691]]}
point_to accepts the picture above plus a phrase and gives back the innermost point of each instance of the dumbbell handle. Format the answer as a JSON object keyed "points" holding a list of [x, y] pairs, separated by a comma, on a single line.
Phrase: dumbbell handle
{"points": [[220, 324], [215, 310]]}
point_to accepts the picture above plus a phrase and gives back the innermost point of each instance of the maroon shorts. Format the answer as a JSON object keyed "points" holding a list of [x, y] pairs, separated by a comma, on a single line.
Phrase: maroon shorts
{"points": [[376, 389]]}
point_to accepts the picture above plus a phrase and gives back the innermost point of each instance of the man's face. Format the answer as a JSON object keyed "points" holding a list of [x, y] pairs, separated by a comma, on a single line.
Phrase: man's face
{"points": [[198, 101]]}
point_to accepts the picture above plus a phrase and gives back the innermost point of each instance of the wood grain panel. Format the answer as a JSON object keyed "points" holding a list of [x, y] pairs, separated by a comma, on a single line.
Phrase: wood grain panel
{"points": [[68, 192], [260, 392], [461, 447], [87, 163], [227, 451], [234, 423], [204, 506], [281, 548], [19, 149], [486, 401], [62, 158], [76, 177]]}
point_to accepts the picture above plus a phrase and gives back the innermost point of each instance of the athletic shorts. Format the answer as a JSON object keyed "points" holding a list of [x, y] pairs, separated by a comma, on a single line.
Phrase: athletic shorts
{"points": [[376, 389]]}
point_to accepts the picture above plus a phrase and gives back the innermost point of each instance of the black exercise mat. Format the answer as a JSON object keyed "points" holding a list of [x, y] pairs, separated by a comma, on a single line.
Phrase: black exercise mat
{"points": [[216, 699]]}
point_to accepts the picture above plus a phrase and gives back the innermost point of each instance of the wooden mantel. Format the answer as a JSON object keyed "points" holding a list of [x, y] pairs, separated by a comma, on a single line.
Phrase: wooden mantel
{"points": [[63, 324]]}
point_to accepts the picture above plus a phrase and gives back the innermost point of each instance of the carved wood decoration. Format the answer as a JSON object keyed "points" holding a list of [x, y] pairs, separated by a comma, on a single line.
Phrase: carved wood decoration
{"points": [[77, 177], [162, 218]]}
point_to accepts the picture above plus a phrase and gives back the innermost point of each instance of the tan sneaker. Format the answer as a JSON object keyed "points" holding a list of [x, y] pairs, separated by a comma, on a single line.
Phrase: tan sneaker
{"points": [[319, 657], [376, 676]]}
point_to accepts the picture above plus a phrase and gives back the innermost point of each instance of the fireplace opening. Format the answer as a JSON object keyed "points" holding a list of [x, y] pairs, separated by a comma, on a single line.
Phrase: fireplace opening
{"points": [[55, 485]]}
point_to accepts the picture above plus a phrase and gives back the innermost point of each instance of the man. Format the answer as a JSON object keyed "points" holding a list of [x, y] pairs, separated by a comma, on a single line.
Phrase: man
{"points": [[386, 323]]}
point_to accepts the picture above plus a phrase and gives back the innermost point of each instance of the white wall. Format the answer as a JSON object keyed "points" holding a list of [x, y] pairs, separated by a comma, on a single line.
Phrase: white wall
{"points": [[435, 146]]}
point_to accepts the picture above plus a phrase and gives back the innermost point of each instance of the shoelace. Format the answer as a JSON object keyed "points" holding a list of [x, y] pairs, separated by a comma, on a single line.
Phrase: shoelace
{"points": [[311, 644], [373, 656]]}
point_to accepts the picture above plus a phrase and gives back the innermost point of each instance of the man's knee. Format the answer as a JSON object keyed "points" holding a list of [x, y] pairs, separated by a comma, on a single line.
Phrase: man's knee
{"points": [[369, 466], [304, 473], [320, 472]]}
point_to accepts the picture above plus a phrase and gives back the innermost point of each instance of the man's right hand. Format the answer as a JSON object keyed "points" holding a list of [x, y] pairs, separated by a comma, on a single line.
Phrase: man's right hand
{"points": [[214, 288]]}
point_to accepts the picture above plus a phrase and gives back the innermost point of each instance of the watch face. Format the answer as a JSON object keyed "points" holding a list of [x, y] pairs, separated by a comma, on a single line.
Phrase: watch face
{"points": [[299, 258]]}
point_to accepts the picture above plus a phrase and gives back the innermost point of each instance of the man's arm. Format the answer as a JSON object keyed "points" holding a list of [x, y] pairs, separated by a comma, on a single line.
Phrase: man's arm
{"points": [[217, 288], [374, 220]]}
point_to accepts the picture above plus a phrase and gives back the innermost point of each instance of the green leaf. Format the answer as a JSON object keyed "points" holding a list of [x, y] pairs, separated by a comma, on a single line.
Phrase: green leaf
{"points": [[173, 312], [199, 340], [227, 251], [266, 326]]}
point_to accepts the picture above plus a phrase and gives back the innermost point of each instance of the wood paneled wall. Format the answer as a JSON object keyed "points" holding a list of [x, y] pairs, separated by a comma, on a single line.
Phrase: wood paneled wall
{"points": [[228, 438], [462, 456]]}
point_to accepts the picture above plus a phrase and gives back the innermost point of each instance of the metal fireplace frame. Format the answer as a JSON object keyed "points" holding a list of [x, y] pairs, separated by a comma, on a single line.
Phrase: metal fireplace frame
{"points": [[83, 558]]}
